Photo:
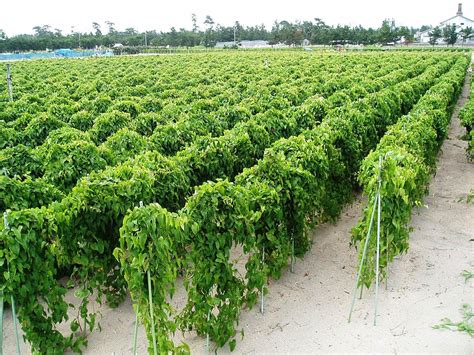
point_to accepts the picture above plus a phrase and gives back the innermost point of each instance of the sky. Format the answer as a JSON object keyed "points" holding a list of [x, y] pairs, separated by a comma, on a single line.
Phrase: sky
{"points": [[20, 16]]}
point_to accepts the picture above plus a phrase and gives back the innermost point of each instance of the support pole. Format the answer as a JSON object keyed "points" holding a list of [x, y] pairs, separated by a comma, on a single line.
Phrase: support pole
{"points": [[377, 262], [261, 292], [376, 206], [155, 350], [135, 332], [1, 322], [364, 253], [15, 327], [386, 274], [207, 334], [292, 255], [9, 83]]}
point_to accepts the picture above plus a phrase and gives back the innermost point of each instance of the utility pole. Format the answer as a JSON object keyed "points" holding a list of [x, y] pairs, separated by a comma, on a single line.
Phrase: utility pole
{"points": [[145, 40]]}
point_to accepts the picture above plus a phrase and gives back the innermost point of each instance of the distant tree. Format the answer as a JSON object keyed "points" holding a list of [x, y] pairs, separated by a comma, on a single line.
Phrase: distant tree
{"points": [[290, 33], [466, 33], [297, 35], [425, 28], [275, 33], [111, 27], [195, 28], [173, 37], [42, 31], [261, 32], [130, 31], [185, 38], [285, 32], [238, 31], [209, 40], [320, 33], [450, 35], [406, 33], [96, 28], [319, 23], [435, 35], [387, 32], [3, 35], [209, 21]]}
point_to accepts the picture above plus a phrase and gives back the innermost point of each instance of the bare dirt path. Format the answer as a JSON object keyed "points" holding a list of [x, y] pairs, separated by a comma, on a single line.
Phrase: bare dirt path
{"points": [[307, 311]]}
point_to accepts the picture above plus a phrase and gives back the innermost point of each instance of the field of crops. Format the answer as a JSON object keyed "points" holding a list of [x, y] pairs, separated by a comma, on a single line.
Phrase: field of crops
{"points": [[467, 120], [127, 174]]}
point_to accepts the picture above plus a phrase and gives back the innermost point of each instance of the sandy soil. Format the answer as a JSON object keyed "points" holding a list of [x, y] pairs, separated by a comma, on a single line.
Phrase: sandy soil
{"points": [[307, 311]]}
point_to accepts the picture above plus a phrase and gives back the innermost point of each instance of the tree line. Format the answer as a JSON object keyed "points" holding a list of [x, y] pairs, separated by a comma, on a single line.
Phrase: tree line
{"points": [[449, 34], [207, 34]]}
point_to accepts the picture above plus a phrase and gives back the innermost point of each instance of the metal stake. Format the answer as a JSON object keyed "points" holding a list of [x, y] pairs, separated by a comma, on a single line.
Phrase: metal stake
{"points": [[155, 352], [9, 82]]}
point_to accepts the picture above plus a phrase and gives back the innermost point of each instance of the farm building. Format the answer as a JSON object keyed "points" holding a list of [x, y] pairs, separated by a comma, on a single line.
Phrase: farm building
{"points": [[459, 20]]}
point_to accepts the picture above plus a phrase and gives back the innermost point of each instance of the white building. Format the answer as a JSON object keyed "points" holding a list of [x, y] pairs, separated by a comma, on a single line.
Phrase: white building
{"points": [[460, 21]]}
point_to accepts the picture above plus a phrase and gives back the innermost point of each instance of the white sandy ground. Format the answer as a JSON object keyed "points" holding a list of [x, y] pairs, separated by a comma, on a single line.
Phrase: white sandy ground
{"points": [[306, 312]]}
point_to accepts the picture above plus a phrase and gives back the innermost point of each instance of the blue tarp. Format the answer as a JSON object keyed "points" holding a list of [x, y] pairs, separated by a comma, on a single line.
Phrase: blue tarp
{"points": [[60, 53]]}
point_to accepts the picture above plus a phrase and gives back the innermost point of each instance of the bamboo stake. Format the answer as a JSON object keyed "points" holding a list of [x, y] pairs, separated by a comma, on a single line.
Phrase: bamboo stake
{"points": [[261, 293], [292, 269], [135, 333], [377, 276], [1, 322], [155, 351], [364, 253], [17, 336]]}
